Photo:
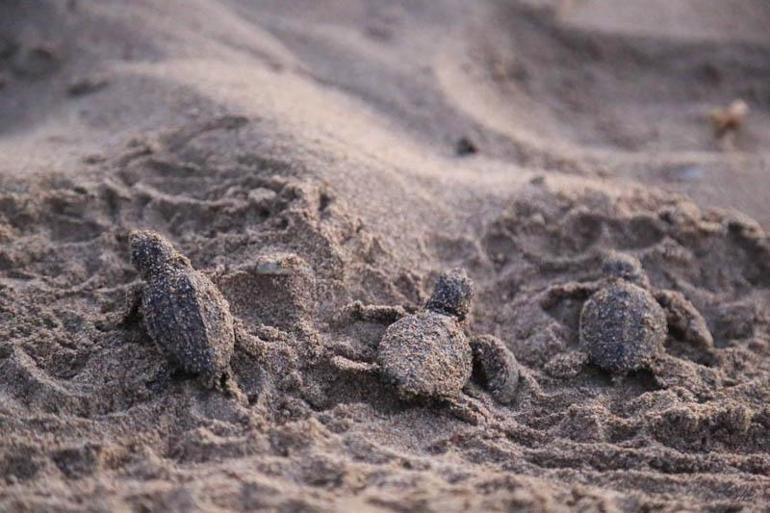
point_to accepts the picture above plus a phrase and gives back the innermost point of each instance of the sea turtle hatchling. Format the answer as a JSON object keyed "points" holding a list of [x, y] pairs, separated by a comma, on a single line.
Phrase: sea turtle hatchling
{"points": [[427, 355], [625, 321], [183, 311]]}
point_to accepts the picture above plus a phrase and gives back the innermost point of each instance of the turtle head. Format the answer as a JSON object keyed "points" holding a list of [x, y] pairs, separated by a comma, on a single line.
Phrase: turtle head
{"points": [[624, 267], [453, 294], [151, 252]]}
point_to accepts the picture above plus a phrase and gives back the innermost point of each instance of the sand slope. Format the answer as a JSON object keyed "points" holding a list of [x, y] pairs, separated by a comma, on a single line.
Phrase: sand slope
{"points": [[303, 154]]}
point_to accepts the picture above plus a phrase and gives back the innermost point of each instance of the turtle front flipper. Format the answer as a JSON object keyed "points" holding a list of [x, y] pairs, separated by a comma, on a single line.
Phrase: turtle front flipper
{"points": [[684, 320], [382, 314], [572, 290], [497, 367], [132, 309], [127, 313], [345, 364]]}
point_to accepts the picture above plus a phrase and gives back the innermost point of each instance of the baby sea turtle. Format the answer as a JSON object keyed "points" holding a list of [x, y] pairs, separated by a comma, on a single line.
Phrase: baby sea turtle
{"points": [[184, 313], [625, 321], [427, 355]]}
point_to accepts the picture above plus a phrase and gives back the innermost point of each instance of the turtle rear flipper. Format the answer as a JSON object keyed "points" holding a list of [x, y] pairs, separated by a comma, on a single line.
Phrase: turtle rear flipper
{"points": [[224, 382]]}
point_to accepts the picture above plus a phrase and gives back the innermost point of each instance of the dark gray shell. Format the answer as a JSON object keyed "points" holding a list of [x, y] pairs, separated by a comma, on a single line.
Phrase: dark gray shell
{"points": [[622, 327], [190, 321], [426, 355]]}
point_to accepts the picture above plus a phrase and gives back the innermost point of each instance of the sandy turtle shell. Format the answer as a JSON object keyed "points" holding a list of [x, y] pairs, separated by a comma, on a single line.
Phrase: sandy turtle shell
{"points": [[187, 317], [622, 327], [426, 355], [184, 312]]}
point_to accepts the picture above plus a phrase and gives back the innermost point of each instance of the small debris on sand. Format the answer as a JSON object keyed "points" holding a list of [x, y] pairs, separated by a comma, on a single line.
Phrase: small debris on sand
{"points": [[465, 146], [87, 85], [730, 118]]}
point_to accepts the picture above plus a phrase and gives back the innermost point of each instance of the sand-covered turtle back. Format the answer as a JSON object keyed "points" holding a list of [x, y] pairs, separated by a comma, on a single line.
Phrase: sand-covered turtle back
{"points": [[622, 327], [427, 355], [184, 312]]}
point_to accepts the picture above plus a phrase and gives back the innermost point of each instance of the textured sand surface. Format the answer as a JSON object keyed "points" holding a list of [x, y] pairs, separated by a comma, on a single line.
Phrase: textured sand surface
{"points": [[303, 154]]}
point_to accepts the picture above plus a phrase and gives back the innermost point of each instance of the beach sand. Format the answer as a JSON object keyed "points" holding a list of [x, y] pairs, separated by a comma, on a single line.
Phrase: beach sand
{"points": [[306, 154]]}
